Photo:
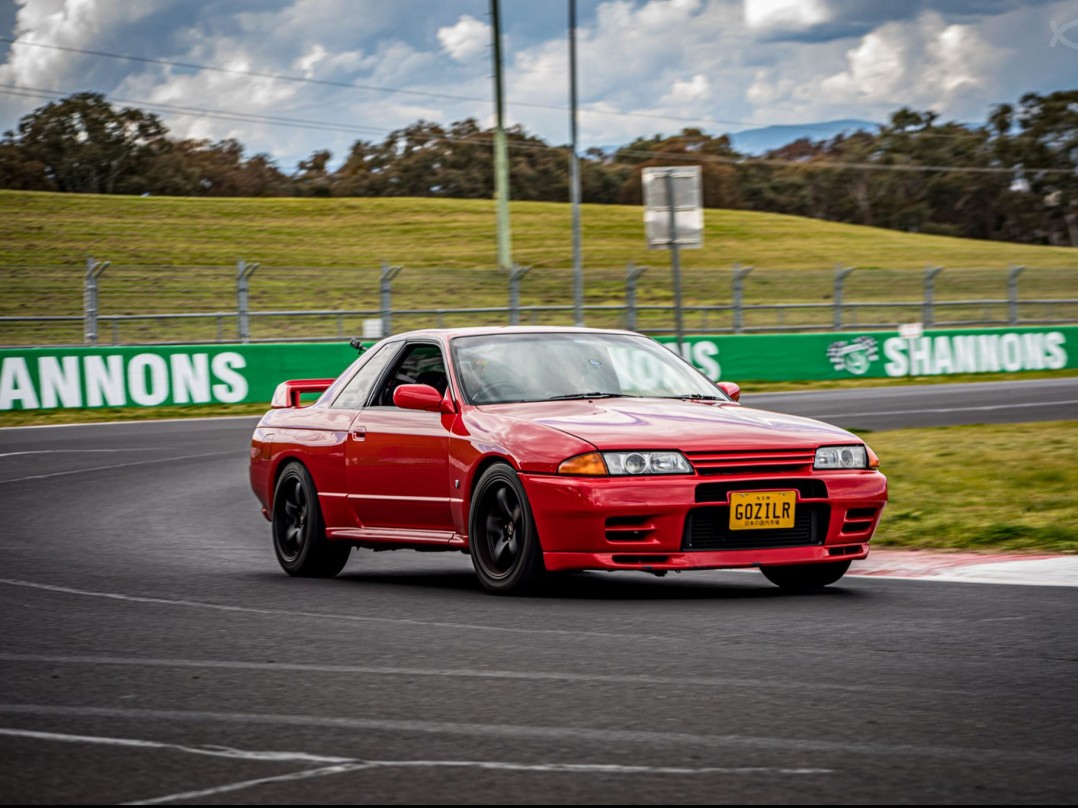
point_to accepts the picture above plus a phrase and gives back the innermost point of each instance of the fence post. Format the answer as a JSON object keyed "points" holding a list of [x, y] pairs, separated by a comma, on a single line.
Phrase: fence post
{"points": [[841, 273], [632, 272], [386, 287], [515, 274], [94, 270], [739, 287], [930, 294], [244, 271], [1013, 271]]}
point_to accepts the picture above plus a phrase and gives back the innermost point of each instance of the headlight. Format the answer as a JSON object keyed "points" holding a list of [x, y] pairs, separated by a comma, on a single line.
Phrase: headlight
{"points": [[635, 463], [841, 457], [622, 464]]}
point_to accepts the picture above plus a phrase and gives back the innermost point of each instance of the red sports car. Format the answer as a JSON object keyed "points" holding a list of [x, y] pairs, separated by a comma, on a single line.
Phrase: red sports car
{"points": [[546, 449]]}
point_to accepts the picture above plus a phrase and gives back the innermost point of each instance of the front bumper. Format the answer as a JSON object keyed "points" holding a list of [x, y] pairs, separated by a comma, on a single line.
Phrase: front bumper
{"points": [[644, 523]]}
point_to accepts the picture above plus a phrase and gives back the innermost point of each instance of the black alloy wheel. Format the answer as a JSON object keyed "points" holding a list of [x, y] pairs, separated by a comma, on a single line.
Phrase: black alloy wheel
{"points": [[504, 542], [299, 534]]}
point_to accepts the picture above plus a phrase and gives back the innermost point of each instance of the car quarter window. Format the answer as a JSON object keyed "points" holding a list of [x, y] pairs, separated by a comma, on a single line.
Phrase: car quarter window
{"points": [[355, 393], [421, 363]]}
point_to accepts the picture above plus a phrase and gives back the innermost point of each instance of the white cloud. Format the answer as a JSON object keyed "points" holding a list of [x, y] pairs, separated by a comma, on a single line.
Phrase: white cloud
{"points": [[668, 63], [784, 15], [466, 39], [695, 89]]}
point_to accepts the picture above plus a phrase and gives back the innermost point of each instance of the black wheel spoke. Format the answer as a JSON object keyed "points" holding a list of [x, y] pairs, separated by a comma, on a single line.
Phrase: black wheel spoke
{"points": [[293, 535], [503, 502], [505, 550]]}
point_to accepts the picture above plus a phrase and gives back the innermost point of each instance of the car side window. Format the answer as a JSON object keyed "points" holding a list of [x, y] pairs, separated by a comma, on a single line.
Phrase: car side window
{"points": [[355, 393], [422, 363]]}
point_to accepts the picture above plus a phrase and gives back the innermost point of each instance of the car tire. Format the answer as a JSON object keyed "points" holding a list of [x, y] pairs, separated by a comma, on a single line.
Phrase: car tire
{"points": [[803, 577], [504, 542], [299, 532]]}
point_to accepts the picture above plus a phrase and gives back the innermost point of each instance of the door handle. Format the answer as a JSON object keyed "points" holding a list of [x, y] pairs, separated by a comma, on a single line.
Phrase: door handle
{"points": [[359, 432]]}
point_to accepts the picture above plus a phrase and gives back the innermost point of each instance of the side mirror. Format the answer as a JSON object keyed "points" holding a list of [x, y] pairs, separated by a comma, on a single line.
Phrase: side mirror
{"points": [[421, 397], [731, 389]]}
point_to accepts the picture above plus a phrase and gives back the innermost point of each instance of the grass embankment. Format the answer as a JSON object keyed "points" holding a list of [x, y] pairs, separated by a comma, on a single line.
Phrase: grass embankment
{"points": [[447, 247], [983, 487]]}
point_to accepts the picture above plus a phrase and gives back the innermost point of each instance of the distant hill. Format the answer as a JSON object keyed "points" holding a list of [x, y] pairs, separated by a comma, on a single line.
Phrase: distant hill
{"points": [[758, 141]]}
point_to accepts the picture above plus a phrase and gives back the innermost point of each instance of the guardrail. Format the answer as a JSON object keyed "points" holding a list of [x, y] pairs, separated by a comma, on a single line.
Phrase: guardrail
{"points": [[846, 298]]}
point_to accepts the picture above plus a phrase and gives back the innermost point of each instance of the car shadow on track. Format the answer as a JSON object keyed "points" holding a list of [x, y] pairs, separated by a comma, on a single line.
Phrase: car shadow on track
{"points": [[603, 586]]}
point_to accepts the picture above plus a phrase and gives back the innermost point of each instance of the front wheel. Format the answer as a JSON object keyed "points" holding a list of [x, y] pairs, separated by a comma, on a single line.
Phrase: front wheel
{"points": [[299, 534], [802, 577], [504, 541]]}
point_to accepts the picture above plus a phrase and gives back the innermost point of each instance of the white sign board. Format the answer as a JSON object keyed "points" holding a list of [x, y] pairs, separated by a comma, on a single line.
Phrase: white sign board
{"points": [[372, 329], [911, 330], [688, 206]]}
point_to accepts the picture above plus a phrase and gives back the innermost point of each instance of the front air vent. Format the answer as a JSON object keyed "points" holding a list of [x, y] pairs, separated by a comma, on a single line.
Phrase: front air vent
{"points": [[629, 528], [709, 529]]}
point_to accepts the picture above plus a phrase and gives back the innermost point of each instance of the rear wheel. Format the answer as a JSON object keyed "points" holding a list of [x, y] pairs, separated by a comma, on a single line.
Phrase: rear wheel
{"points": [[299, 534], [504, 542], [802, 577]]}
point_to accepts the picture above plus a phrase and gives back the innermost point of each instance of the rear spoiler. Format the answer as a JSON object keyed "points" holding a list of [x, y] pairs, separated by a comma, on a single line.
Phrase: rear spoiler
{"points": [[287, 393]]}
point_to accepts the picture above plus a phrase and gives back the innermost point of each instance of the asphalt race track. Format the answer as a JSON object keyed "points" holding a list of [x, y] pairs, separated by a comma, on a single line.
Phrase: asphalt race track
{"points": [[932, 404], [153, 651]]}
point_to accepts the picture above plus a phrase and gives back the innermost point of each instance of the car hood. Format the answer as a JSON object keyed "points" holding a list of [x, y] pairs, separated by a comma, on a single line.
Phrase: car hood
{"points": [[628, 423]]}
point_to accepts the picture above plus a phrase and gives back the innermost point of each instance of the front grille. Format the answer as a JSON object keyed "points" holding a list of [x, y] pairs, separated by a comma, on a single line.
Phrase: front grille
{"points": [[808, 488], [756, 461], [709, 529]]}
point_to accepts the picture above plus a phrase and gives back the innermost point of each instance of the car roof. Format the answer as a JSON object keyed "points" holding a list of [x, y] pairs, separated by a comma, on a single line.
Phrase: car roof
{"points": [[498, 330]]}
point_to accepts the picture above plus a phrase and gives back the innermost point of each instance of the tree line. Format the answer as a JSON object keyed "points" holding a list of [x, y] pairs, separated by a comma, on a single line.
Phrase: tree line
{"points": [[1013, 178]]}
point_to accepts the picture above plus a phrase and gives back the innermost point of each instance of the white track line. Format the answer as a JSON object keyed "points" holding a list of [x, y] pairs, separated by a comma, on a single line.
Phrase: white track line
{"points": [[554, 734], [211, 751], [192, 420], [116, 466], [305, 774], [80, 451], [330, 615], [464, 673], [339, 765], [985, 408]]}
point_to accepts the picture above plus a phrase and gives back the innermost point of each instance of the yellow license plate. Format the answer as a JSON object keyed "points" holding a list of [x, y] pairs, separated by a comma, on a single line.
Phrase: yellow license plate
{"points": [[759, 510]]}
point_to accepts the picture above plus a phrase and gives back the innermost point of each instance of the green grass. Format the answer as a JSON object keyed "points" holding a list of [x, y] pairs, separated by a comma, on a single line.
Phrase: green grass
{"points": [[179, 254], [11, 418], [984, 487]]}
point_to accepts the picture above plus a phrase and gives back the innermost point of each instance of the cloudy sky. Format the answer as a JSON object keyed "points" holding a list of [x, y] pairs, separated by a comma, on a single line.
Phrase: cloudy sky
{"points": [[645, 66]]}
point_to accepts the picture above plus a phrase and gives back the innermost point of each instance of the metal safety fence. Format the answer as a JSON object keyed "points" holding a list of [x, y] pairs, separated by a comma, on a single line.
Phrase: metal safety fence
{"points": [[257, 302]]}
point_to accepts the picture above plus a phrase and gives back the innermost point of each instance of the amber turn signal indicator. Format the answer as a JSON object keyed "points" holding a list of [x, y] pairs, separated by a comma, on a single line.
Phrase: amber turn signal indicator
{"points": [[590, 465], [873, 460]]}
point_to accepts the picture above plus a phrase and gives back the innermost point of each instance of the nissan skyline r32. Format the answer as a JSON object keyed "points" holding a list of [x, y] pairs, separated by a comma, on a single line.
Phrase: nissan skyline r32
{"points": [[540, 450]]}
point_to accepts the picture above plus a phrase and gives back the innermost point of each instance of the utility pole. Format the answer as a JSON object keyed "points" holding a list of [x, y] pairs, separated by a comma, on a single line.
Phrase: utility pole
{"points": [[501, 160], [574, 176]]}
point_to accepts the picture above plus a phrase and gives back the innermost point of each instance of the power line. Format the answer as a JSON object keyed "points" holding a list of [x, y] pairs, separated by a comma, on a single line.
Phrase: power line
{"points": [[201, 112], [421, 93], [371, 87], [645, 154]]}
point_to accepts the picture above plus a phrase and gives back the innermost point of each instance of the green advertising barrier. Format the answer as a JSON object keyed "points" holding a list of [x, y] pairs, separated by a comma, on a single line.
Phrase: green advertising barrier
{"points": [[44, 378], [47, 378], [879, 354]]}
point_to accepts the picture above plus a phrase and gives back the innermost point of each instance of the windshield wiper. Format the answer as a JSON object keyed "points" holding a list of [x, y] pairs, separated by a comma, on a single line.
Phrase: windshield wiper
{"points": [[568, 396], [696, 397]]}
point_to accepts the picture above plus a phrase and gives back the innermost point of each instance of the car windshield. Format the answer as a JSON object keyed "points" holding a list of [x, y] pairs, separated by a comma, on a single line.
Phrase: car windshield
{"points": [[502, 368]]}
